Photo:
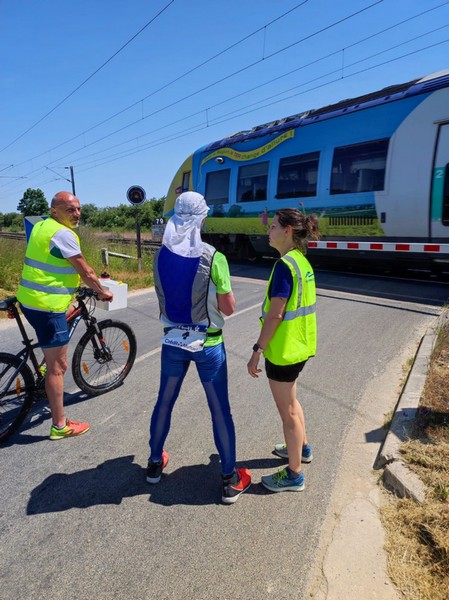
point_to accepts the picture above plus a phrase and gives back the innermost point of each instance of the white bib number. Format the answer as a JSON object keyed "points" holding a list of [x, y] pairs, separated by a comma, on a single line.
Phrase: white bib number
{"points": [[192, 340]]}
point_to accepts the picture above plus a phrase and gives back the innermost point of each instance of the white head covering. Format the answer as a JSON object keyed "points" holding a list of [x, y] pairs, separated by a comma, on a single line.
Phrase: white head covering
{"points": [[182, 233]]}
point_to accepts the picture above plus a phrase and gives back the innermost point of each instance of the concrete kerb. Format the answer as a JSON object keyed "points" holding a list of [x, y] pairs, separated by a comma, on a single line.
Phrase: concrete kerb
{"points": [[396, 476]]}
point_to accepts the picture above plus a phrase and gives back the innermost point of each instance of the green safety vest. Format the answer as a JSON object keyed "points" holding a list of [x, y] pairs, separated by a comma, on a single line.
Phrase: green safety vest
{"points": [[295, 338], [48, 282]]}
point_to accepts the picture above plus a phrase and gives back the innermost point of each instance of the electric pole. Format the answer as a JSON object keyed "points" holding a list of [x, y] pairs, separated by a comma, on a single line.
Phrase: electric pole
{"points": [[72, 179]]}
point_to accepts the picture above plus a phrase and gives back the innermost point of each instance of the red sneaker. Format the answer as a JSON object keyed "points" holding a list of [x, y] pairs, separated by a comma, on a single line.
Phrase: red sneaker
{"points": [[236, 485], [70, 429]]}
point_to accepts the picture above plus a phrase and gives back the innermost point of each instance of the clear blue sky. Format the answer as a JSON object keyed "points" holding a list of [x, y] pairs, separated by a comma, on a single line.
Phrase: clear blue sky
{"points": [[77, 90]]}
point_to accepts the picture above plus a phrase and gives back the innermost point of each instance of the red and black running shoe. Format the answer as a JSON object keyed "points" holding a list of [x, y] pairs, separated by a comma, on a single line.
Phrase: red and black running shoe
{"points": [[154, 469], [235, 485]]}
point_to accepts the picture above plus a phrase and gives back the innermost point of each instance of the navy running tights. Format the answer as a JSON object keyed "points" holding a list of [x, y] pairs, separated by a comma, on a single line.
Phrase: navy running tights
{"points": [[212, 370]]}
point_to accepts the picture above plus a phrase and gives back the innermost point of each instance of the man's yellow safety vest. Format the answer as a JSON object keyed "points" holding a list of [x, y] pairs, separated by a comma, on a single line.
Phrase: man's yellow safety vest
{"points": [[48, 282]]}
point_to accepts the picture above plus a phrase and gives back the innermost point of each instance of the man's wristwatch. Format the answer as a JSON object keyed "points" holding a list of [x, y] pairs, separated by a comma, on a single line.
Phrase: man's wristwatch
{"points": [[257, 348]]}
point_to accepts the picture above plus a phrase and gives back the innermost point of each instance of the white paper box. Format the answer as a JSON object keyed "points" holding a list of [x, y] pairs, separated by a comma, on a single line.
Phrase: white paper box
{"points": [[120, 291]]}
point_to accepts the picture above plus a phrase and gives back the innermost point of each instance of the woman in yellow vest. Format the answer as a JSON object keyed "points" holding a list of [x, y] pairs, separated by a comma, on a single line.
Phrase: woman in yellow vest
{"points": [[288, 338]]}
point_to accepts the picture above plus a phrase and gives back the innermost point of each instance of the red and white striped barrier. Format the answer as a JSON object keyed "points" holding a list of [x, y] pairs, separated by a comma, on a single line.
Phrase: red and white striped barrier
{"points": [[382, 246]]}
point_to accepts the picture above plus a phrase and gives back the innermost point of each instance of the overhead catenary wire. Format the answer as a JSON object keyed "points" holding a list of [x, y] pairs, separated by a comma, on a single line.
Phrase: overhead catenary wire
{"points": [[93, 157], [193, 129], [247, 110], [166, 85], [61, 102], [239, 111], [223, 118], [229, 116], [204, 88]]}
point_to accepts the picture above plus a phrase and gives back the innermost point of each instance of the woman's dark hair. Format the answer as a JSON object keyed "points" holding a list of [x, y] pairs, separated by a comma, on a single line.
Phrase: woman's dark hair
{"points": [[303, 226]]}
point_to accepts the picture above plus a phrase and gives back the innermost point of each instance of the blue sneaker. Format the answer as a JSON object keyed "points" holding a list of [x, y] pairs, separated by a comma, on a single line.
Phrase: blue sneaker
{"points": [[307, 453], [281, 482]]}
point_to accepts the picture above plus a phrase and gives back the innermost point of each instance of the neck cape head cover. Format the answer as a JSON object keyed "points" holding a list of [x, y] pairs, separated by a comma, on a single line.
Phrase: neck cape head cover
{"points": [[183, 231]]}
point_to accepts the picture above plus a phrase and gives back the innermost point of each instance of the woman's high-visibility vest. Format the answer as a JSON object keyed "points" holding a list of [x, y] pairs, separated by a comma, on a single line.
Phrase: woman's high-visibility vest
{"points": [[295, 338], [48, 282]]}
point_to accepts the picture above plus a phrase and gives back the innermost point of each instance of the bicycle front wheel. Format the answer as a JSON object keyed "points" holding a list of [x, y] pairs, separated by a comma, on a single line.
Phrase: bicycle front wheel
{"points": [[101, 365], [16, 394]]}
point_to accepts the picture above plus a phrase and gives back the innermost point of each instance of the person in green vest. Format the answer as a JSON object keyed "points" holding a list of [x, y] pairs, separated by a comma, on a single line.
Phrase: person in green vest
{"points": [[288, 338], [51, 274]]}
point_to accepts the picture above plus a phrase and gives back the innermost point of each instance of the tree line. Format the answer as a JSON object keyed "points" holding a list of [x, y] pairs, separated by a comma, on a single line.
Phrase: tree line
{"points": [[119, 218]]}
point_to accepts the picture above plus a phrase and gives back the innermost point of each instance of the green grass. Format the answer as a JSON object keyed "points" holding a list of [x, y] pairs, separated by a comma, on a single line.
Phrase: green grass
{"points": [[248, 225], [12, 253], [253, 225]]}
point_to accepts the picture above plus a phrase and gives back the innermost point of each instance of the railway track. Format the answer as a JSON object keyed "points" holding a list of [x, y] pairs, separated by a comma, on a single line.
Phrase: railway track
{"points": [[112, 240], [12, 236], [146, 244]]}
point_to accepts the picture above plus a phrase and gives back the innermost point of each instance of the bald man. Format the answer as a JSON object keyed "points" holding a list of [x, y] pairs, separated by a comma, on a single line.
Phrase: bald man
{"points": [[51, 273]]}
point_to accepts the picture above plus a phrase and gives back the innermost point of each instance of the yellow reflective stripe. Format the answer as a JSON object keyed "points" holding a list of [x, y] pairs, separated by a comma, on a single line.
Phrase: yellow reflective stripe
{"points": [[48, 289], [37, 264]]}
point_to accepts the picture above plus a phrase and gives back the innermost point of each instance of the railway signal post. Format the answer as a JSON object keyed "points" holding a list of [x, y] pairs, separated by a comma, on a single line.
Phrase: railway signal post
{"points": [[136, 195]]}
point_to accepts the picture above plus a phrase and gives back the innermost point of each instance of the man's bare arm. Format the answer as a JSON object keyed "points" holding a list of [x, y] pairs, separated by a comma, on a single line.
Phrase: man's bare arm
{"points": [[89, 277]]}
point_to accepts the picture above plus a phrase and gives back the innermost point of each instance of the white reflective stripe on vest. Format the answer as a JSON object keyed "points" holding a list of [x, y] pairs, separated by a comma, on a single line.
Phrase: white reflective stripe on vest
{"points": [[48, 289], [37, 264], [303, 311], [300, 312]]}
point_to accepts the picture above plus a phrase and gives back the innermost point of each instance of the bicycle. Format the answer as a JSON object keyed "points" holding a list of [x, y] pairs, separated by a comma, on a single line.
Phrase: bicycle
{"points": [[101, 361]]}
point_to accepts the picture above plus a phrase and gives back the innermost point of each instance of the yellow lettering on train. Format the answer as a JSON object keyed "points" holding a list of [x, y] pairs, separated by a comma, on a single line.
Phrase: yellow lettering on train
{"points": [[251, 154]]}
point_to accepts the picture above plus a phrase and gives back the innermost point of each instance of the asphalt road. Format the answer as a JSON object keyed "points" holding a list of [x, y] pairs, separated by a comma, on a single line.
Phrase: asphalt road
{"points": [[77, 519]]}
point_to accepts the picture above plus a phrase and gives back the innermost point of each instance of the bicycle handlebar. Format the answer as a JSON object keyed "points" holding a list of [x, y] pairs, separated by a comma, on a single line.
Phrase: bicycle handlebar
{"points": [[85, 292], [81, 294]]}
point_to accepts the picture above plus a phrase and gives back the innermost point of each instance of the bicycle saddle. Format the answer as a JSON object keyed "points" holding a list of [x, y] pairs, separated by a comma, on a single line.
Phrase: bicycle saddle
{"points": [[5, 304]]}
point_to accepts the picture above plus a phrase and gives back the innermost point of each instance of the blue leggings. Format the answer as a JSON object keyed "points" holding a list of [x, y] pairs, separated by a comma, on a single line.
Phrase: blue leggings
{"points": [[212, 370]]}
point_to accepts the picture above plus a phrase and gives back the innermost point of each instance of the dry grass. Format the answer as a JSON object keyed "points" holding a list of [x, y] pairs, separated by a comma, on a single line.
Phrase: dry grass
{"points": [[418, 535]]}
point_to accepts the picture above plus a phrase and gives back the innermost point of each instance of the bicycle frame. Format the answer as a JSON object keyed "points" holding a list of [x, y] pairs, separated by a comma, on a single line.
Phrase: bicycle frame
{"points": [[82, 312], [28, 353]]}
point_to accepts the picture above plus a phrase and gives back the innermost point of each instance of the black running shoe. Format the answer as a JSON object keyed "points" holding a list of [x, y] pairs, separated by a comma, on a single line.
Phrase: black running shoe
{"points": [[154, 469]]}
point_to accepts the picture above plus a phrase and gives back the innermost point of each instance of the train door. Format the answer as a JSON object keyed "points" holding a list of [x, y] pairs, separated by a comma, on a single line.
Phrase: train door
{"points": [[439, 221]]}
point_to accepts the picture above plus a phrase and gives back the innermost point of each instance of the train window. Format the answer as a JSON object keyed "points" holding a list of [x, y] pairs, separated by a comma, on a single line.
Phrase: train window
{"points": [[297, 176], [185, 181], [252, 182], [359, 168], [217, 187], [445, 216]]}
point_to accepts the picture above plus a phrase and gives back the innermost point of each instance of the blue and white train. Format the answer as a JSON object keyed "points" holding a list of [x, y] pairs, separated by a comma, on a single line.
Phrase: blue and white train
{"points": [[375, 169]]}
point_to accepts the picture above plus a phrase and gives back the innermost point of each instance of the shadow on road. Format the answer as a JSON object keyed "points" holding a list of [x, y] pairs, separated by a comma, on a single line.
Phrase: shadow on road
{"points": [[108, 483], [118, 478]]}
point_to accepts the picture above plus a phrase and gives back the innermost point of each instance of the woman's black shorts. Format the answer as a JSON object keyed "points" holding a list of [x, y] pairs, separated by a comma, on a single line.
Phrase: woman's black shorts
{"points": [[283, 373]]}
